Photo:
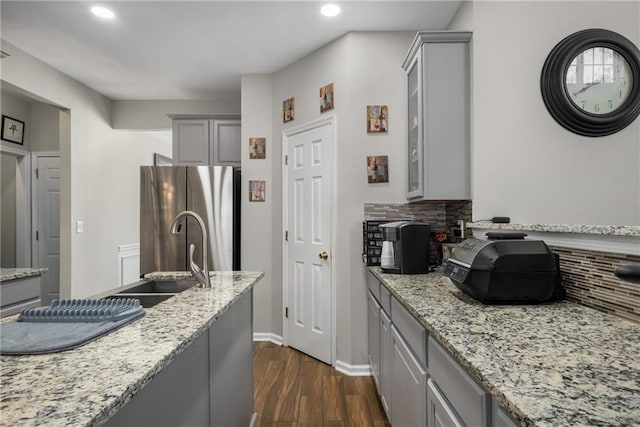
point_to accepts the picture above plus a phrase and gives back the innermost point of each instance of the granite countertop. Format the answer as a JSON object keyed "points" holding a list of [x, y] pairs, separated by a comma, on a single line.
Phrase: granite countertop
{"points": [[20, 273], [601, 230], [549, 364], [86, 386]]}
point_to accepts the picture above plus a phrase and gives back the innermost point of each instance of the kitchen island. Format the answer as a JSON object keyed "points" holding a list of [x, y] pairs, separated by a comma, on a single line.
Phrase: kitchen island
{"points": [[112, 378], [550, 364]]}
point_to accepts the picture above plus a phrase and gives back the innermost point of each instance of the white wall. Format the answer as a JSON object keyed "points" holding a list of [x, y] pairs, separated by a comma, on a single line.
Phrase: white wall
{"points": [[99, 177], [153, 115], [365, 69], [525, 165], [44, 127]]}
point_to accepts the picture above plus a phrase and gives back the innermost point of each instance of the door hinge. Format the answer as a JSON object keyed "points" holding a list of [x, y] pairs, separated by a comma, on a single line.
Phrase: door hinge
{"points": [[286, 160], [286, 312], [286, 235], [37, 173], [37, 235]]}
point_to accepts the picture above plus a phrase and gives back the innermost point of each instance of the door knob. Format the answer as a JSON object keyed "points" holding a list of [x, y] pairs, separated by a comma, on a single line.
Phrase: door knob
{"points": [[324, 255]]}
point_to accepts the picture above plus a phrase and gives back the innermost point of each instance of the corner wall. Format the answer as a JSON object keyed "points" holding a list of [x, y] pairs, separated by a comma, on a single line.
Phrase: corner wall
{"points": [[365, 69]]}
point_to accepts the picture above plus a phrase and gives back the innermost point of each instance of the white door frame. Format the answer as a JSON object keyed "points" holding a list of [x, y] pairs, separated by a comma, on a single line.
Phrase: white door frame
{"points": [[23, 204], [286, 134]]}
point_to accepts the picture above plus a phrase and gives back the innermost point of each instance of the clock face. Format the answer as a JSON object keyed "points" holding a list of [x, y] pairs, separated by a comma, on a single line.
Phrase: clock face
{"points": [[598, 80]]}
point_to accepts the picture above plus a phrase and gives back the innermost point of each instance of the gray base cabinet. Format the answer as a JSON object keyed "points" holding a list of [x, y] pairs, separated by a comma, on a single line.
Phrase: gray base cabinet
{"points": [[209, 384], [468, 399], [397, 341], [408, 386], [418, 381], [386, 356], [19, 294], [373, 322]]}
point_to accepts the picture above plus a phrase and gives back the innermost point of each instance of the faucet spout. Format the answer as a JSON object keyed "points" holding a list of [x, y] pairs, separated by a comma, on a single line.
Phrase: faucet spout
{"points": [[200, 274]]}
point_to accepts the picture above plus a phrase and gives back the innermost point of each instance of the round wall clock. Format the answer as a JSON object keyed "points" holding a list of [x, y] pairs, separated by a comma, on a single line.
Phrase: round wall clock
{"points": [[590, 82]]}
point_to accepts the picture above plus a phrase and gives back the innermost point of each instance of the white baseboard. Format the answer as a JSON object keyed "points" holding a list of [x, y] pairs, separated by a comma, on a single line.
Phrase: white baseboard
{"points": [[267, 336], [353, 370]]}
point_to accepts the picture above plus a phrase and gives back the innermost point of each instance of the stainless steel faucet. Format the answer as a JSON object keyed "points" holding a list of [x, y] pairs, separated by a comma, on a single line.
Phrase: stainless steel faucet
{"points": [[200, 274]]}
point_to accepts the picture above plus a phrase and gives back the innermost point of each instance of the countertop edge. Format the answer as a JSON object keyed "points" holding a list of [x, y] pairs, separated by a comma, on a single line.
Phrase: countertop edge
{"points": [[8, 274], [596, 230]]}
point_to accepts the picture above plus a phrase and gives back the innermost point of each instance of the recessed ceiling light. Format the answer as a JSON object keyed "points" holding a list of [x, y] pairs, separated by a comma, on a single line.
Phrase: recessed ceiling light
{"points": [[330, 10], [102, 12]]}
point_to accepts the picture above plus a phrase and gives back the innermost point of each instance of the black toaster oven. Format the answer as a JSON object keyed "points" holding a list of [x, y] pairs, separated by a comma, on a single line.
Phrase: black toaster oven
{"points": [[506, 271]]}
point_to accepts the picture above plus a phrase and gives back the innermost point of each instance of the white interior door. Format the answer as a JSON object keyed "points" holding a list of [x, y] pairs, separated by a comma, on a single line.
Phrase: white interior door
{"points": [[308, 223], [47, 222]]}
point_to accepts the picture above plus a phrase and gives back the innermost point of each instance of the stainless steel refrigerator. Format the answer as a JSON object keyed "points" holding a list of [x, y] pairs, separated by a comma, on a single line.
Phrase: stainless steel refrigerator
{"points": [[213, 192]]}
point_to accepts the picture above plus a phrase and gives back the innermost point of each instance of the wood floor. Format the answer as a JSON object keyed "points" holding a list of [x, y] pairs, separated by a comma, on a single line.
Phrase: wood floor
{"points": [[292, 389]]}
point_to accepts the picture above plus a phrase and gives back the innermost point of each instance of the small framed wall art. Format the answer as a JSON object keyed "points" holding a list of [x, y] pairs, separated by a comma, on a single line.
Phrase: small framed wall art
{"points": [[288, 110], [377, 169], [377, 118], [326, 98], [257, 148], [257, 190], [12, 130]]}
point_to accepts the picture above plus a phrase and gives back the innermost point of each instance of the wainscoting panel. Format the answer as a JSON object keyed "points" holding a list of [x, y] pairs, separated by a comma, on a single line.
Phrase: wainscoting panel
{"points": [[128, 263]]}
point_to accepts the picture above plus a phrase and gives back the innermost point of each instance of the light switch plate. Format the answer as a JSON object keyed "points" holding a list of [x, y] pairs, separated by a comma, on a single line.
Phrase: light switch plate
{"points": [[79, 227]]}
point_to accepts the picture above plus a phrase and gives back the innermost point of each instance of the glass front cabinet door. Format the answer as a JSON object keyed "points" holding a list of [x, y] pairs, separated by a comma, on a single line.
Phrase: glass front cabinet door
{"points": [[438, 96], [415, 141]]}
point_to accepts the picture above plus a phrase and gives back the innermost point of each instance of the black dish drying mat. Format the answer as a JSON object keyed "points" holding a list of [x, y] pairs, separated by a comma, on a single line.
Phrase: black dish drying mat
{"points": [[65, 325]]}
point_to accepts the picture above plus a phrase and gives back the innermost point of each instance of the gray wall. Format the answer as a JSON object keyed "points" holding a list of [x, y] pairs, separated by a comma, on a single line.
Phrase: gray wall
{"points": [[525, 165]]}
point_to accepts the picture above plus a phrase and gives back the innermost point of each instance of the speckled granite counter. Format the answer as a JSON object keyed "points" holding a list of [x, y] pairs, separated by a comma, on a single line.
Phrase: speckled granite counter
{"points": [[7, 274], [86, 386], [550, 364], [601, 230]]}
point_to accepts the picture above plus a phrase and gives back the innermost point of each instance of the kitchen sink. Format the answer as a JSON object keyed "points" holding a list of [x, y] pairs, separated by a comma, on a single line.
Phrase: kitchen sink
{"points": [[160, 287], [150, 293], [146, 300]]}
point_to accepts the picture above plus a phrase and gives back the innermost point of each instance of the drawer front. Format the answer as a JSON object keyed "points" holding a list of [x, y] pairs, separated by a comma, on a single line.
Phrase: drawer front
{"points": [[410, 329], [373, 284], [385, 300], [439, 413], [470, 400], [15, 291], [408, 386]]}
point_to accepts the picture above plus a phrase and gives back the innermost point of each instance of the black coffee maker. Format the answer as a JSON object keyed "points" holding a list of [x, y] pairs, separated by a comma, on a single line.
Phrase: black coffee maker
{"points": [[405, 247]]}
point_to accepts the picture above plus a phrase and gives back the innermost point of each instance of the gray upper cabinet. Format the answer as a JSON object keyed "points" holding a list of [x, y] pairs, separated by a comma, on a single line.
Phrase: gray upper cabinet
{"points": [[190, 142], [206, 141], [226, 147], [438, 85]]}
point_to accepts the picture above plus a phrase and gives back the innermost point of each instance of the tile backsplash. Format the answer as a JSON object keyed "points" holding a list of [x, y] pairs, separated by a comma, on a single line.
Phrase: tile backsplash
{"points": [[588, 279], [442, 216]]}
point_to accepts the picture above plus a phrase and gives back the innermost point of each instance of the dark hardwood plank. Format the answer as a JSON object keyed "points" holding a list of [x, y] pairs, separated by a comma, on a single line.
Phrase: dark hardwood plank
{"points": [[292, 389]]}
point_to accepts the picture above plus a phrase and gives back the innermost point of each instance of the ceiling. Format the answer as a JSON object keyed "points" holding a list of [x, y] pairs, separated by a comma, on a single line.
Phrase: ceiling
{"points": [[194, 50]]}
